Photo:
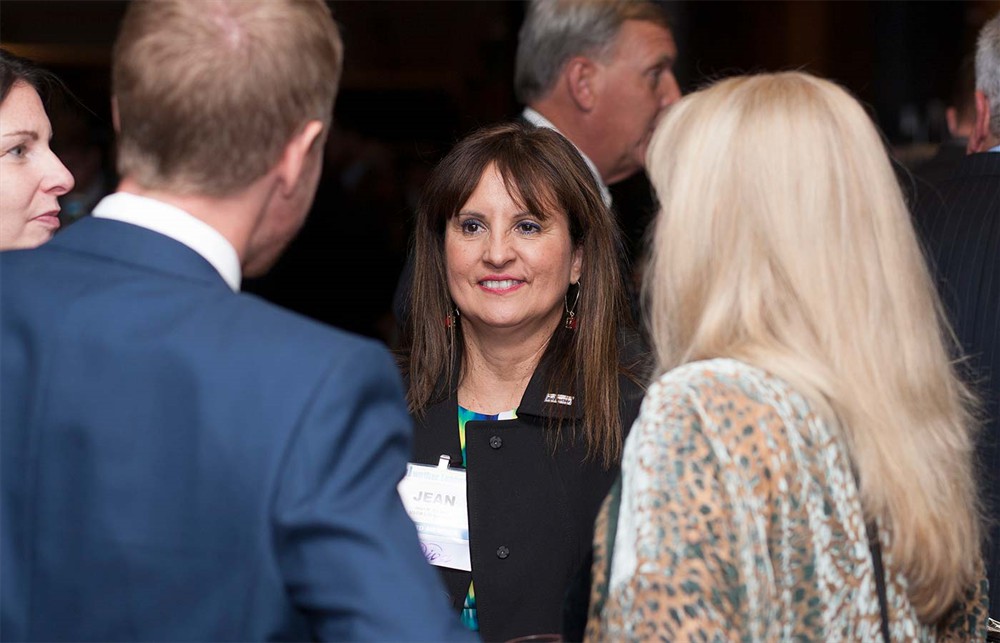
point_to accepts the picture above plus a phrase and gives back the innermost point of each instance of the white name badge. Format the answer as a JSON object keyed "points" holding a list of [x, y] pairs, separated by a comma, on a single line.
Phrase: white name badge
{"points": [[435, 499]]}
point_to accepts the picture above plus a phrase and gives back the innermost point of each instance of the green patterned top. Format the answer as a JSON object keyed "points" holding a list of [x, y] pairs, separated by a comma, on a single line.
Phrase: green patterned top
{"points": [[739, 519]]}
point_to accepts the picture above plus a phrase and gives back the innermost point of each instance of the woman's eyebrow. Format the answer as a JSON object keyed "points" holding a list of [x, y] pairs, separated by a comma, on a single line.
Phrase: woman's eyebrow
{"points": [[29, 133]]}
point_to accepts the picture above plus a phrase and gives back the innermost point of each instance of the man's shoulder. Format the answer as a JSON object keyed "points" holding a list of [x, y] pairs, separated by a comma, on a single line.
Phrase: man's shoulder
{"points": [[204, 315], [980, 169], [264, 323], [972, 192]]}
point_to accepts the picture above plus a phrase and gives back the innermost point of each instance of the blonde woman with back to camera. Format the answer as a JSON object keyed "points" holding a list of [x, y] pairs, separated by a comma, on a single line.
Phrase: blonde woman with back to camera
{"points": [[805, 396]]}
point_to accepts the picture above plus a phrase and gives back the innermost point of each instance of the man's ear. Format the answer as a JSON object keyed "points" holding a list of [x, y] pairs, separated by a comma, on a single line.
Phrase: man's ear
{"points": [[978, 140], [581, 77], [116, 120], [951, 118], [296, 153]]}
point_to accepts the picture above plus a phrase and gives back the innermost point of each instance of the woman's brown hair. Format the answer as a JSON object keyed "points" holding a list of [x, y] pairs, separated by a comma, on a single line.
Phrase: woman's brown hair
{"points": [[546, 174]]}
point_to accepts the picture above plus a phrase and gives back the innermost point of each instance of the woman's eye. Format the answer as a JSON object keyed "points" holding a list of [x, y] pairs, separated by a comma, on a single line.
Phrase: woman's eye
{"points": [[17, 151], [471, 226], [528, 227]]}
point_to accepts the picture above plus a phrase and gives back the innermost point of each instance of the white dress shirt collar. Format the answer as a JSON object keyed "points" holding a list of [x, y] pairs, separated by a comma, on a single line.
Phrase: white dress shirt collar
{"points": [[178, 225], [994, 149], [538, 120]]}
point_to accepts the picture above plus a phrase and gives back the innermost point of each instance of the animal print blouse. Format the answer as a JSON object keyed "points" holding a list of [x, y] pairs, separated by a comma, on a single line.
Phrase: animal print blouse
{"points": [[739, 519]]}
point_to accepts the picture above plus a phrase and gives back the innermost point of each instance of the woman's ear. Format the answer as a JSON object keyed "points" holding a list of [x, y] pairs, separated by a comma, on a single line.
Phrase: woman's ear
{"points": [[576, 269]]}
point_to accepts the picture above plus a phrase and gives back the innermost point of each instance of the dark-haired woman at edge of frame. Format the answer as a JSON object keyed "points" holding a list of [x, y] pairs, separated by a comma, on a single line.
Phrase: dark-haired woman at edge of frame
{"points": [[33, 177]]}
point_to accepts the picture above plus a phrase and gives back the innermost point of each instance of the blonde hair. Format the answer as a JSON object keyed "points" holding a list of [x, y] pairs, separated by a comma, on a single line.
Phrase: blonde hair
{"points": [[783, 240], [209, 93]]}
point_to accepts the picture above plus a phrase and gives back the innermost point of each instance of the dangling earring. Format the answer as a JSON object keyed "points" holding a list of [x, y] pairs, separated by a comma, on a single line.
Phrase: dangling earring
{"points": [[451, 319], [571, 310]]}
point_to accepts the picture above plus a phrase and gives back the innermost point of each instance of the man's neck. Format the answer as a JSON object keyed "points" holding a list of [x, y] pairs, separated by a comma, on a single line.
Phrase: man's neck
{"points": [[552, 119], [234, 217], [564, 118]]}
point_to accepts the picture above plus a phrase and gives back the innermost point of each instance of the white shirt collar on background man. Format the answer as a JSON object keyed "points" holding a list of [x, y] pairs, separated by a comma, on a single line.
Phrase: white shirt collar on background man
{"points": [[178, 225], [538, 120], [994, 149]]}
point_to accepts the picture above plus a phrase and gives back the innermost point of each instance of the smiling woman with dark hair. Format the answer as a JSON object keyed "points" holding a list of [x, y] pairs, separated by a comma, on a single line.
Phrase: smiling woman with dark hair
{"points": [[31, 176], [521, 365]]}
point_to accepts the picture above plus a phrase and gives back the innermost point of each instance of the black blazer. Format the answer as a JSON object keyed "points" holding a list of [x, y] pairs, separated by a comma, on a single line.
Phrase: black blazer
{"points": [[531, 512], [960, 226]]}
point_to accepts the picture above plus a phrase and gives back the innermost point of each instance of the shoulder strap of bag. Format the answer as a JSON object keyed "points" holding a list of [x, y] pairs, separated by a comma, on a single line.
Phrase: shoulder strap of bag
{"points": [[876, 549], [871, 529]]}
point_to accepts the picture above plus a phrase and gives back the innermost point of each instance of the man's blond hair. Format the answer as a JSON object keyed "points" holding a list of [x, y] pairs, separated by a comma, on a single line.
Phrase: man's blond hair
{"points": [[209, 93]]}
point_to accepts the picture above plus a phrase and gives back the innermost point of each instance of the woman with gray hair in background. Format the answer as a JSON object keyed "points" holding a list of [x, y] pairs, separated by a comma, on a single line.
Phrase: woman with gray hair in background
{"points": [[802, 467]]}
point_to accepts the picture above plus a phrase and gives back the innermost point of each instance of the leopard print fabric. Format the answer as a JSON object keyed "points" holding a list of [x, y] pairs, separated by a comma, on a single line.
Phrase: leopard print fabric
{"points": [[739, 520]]}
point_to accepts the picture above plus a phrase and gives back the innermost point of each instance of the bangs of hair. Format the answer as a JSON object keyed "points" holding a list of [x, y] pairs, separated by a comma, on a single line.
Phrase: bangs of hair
{"points": [[529, 167], [536, 185]]}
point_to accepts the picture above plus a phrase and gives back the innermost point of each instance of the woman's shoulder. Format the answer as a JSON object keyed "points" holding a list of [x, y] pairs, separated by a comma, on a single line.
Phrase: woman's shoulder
{"points": [[727, 379], [719, 369], [727, 402]]}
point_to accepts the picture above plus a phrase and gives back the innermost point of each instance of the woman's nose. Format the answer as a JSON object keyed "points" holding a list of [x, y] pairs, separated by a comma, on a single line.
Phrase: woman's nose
{"points": [[58, 179], [498, 250]]}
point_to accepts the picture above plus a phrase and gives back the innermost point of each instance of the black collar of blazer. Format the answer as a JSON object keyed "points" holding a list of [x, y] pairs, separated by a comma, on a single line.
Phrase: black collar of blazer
{"points": [[564, 400], [544, 399]]}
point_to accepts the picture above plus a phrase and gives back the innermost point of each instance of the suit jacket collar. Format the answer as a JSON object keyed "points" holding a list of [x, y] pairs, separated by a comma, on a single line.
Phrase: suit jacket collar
{"points": [[532, 117], [979, 164], [178, 224], [129, 244]]}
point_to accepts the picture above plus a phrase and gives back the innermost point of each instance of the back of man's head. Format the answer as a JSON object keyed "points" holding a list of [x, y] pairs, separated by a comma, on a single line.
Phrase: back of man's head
{"points": [[988, 70], [554, 31], [209, 93]]}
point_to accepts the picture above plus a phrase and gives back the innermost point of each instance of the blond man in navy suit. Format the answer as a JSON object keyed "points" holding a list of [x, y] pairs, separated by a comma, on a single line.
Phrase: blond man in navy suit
{"points": [[181, 461]]}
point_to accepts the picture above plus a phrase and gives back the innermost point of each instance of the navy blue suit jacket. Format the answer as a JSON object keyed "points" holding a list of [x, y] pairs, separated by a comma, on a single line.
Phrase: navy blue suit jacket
{"points": [[180, 462]]}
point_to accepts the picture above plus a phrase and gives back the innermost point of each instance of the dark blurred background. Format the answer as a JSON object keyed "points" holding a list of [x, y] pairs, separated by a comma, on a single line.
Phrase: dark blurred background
{"points": [[419, 74]]}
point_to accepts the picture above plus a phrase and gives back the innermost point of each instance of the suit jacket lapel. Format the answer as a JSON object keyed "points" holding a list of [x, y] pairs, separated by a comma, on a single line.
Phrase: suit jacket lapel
{"points": [[129, 244]]}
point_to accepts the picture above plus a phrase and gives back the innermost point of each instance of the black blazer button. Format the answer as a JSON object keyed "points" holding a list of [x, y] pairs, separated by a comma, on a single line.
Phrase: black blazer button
{"points": [[496, 441], [502, 552]]}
